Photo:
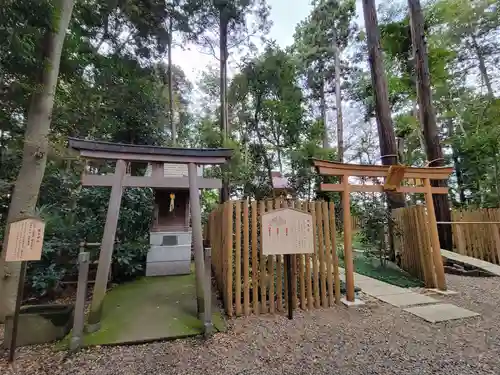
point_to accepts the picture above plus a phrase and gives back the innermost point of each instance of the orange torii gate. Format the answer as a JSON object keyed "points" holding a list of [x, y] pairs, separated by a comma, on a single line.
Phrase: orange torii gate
{"points": [[393, 175]]}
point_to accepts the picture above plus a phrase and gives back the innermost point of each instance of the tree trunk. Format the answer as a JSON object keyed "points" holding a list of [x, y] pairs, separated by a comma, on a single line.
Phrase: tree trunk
{"points": [[224, 192], [267, 162], [385, 127], [401, 150], [482, 66], [416, 114], [170, 86], [36, 146], [326, 143], [428, 119], [457, 164], [497, 179], [338, 99]]}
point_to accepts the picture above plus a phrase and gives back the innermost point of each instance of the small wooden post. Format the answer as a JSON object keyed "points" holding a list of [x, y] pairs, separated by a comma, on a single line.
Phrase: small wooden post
{"points": [[12, 344], [255, 268], [237, 257], [106, 254], [335, 260], [208, 325], [271, 267], [246, 247], [496, 240], [81, 293], [349, 266], [328, 254], [436, 247], [228, 257], [288, 266], [194, 203], [263, 262]]}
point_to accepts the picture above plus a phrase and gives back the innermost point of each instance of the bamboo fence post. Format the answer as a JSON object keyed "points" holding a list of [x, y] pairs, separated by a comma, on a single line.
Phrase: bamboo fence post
{"points": [[335, 261], [279, 272], [302, 284], [293, 259], [496, 235], [436, 247], [271, 270], [317, 297], [308, 258], [246, 240], [328, 254], [255, 272], [284, 204], [237, 256], [229, 257], [321, 253], [263, 261]]}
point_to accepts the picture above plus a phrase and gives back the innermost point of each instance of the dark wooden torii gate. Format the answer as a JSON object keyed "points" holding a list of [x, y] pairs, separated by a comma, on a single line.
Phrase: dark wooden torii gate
{"points": [[157, 156], [393, 176]]}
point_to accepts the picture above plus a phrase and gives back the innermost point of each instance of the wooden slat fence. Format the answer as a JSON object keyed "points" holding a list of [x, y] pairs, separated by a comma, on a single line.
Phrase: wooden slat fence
{"points": [[252, 283], [413, 244], [476, 233]]}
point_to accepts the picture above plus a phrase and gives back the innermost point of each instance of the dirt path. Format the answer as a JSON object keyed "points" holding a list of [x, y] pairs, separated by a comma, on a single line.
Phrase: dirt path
{"points": [[377, 339]]}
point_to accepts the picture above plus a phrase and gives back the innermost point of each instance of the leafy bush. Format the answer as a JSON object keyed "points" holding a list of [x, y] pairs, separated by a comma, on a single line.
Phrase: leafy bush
{"points": [[73, 215], [129, 259]]}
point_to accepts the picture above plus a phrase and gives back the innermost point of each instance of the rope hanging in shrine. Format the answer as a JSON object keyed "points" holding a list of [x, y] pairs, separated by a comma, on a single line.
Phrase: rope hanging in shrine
{"points": [[172, 200]]}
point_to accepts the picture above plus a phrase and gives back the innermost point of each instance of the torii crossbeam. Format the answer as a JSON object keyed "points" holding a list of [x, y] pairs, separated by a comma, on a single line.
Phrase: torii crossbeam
{"points": [[393, 175]]}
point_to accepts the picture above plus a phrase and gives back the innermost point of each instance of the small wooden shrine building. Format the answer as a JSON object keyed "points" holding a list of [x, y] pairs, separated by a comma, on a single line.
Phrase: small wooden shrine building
{"points": [[281, 186], [174, 175]]}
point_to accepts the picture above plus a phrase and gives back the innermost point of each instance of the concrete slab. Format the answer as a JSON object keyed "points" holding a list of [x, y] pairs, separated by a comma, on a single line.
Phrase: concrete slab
{"points": [[406, 299], [440, 312], [368, 281], [443, 292], [383, 290]]}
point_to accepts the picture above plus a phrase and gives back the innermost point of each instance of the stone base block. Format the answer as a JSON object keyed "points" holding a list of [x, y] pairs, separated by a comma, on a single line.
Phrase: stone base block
{"points": [[355, 303], [41, 324], [170, 238], [168, 268], [169, 254]]}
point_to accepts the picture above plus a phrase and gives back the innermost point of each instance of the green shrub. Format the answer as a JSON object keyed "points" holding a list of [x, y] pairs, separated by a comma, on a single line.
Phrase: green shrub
{"points": [[73, 215]]}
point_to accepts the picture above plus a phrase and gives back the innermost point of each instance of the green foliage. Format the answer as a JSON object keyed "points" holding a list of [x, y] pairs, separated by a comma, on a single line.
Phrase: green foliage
{"points": [[113, 86], [74, 215], [326, 30]]}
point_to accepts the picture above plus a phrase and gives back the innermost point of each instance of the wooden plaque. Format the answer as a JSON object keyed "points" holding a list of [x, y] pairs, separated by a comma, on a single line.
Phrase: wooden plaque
{"points": [[25, 240], [287, 231]]}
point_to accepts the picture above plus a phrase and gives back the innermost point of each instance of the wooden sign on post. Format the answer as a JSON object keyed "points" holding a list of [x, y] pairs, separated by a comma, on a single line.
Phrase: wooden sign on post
{"points": [[24, 243], [25, 240], [287, 231]]}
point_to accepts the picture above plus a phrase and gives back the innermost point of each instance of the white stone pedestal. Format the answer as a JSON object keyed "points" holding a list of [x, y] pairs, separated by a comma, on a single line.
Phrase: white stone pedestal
{"points": [[170, 254]]}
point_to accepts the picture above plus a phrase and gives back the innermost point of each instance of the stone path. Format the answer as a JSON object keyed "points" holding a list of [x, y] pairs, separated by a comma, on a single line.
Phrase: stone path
{"points": [[425, 307], [487, 266]]}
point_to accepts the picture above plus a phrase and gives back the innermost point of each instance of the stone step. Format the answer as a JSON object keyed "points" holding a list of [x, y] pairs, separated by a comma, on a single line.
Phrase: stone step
{"points": [[440, 312], [169, 253]]}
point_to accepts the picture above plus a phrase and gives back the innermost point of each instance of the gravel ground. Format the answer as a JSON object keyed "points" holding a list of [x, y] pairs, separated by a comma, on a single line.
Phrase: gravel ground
{"points": [[377, 339]]}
